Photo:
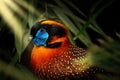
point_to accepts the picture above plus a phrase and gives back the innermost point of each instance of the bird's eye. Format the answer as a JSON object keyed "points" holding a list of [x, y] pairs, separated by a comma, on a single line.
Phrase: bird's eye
{"points": [[43, 30]]}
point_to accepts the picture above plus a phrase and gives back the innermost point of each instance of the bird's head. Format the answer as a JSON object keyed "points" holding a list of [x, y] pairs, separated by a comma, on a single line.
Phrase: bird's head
{"points": [[49, 33]]}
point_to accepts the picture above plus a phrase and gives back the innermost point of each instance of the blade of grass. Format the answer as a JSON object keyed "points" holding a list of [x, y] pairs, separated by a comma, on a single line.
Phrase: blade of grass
{"points": [[71, 39], [118, 34], [26, 5], [31, 16], [95, 5]]}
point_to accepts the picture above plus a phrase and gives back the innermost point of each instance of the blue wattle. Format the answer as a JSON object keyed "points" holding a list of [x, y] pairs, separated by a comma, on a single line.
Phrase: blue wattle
{"points": [[41, 38]]}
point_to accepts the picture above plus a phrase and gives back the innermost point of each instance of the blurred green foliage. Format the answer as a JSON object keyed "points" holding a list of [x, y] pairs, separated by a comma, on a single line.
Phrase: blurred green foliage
{"points": [[106, 55]]}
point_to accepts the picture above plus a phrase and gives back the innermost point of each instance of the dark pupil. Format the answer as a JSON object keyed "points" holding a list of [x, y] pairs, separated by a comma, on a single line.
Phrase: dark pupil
{"points": [[43, 30]]}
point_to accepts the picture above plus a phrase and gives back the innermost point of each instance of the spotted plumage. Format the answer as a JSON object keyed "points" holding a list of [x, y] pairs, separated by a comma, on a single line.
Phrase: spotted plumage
{"points": [[53, 57]]}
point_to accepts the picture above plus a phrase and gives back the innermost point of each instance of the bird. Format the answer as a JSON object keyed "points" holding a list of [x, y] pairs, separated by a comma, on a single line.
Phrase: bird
{"points": [[53, 57]]}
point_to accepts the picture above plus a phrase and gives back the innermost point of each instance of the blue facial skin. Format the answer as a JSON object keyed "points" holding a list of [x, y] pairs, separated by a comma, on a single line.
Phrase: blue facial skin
{"points": [[41, 38]]}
